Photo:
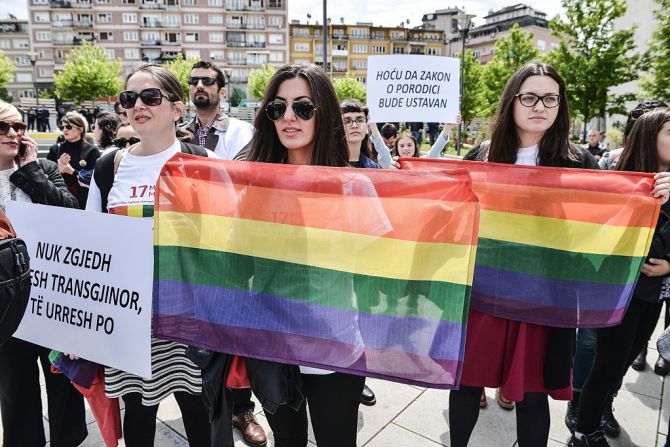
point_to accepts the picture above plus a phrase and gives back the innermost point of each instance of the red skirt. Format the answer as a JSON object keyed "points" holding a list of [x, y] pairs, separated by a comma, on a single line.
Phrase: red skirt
{"points": [[508, 355]]}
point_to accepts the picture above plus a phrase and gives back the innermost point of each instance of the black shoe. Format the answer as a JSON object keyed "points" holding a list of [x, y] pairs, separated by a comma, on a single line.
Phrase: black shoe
{"points": [[608, 423], [595, 439], [368, 397], [640, 362], [571, 415], [662, 367]]}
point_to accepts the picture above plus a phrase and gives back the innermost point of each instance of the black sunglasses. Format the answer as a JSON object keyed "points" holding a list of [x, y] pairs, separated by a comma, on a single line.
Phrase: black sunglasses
{"points": [[302, 109], [18, 126], [206, 80], [149, 97], [124, 142]]}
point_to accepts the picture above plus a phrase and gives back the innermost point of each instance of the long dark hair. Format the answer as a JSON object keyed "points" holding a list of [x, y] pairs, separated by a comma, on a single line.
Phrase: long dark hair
{"points": [[639, 110], [107, 123], [355, 106], [640, 153], [330, 148], [554, 148], [417, 152]]}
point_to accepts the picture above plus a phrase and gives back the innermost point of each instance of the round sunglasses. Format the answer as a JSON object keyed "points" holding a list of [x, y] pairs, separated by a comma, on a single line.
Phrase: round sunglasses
{"points": [[276, 109], [149, 96], [18, 127]]}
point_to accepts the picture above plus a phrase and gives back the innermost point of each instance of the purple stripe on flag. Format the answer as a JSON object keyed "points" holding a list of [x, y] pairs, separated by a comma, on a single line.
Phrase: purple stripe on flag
{"points": [[385, 364], [545, 315], [439, 339]]}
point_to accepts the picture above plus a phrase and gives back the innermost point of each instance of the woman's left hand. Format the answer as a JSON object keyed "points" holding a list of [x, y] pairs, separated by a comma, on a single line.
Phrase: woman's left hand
{"points": [[656, 267], [395, 164], [662, 186], [30, 154]]}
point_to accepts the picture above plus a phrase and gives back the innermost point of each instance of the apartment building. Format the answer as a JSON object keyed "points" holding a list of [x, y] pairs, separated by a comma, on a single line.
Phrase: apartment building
{"points": [[237, 35], [350, 45], [15, 43], [482, 39]]}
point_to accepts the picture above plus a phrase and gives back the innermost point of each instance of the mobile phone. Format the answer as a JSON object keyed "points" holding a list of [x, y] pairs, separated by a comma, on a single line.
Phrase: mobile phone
{"points": [[22, 150]]}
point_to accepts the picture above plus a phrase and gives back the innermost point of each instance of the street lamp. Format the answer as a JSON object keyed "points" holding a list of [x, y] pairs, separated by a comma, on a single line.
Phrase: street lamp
{"points": [[325, 36], [464, 23], [33, 58]]}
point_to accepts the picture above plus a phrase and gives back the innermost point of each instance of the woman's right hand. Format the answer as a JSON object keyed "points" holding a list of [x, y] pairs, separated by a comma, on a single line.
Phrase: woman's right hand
{"points": [[448, 127], [64, 164]]}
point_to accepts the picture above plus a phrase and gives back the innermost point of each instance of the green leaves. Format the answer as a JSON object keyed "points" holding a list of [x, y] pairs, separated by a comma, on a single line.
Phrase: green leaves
{"points": [[657, 82], [349, 88], [181, 68], [592, 56], [258, 81], [89, 74], [473, 99], [7, 69]]}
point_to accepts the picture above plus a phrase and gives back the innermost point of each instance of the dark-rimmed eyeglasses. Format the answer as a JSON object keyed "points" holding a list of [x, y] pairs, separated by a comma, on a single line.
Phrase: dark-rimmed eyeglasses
{"points": [[206, 80], [303, 109], [530, 99], [18, 127], [149, 96], [360, 121], [124, 142]]}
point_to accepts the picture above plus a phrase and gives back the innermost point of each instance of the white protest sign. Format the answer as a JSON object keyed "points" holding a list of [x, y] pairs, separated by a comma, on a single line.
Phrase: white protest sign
{"points": [[413, 88], [92, 278]]}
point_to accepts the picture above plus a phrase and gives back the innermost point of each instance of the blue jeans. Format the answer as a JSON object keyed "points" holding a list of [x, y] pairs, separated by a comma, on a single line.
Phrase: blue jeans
{"points": [[585, 352]]}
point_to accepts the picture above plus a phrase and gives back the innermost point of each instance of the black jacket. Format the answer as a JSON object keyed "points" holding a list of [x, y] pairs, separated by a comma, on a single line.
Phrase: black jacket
{"points": [[558, 363], [648, 288], [83, 157], [44, 184]]}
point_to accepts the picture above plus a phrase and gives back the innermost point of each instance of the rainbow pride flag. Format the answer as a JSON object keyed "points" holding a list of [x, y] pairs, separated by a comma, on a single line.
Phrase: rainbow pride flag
{"points": [[345, 269], [557, 247]]}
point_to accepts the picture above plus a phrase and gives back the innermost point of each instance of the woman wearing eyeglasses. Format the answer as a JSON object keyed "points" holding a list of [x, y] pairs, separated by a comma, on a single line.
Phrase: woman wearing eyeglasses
{"points": [[527, 362], [153, 100], [302, 125], [75, 155], [24, 178]]}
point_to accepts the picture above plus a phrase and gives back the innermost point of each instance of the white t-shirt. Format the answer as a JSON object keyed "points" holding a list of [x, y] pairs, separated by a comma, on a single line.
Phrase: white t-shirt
{"points": [[527, 156], [234, 139]]}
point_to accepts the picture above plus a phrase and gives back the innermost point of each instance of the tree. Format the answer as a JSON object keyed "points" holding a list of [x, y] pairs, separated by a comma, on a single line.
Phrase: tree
{"points": [[657, 82], [235, 97], [592, 57], [88, 74], [349, 88], [181, 68], [258, 81], [7, 69], [511, 52], [472, 101]]}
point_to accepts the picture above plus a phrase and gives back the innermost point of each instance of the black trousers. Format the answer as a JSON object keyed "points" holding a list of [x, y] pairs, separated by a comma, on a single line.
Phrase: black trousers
{"points": [[333, 407], [21, 402], [242, 401], [139, 421], [616, 348]]}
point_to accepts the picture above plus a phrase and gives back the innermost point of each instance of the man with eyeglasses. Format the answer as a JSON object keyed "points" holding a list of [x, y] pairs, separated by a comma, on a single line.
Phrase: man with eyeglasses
{"points": [[228, 137]]}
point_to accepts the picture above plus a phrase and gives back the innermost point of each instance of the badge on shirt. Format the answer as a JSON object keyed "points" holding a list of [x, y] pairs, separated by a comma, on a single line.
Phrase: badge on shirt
{"points": [[82, 163]]}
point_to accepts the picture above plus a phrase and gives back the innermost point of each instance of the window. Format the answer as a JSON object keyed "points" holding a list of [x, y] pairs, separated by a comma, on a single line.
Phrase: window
{"points": [[435, 51], [215, 2], [301, 32], [40, 2], [5, 43], [105, 17], [216, 19], [190, 2], [130, 36], [111, 53], [276, 39], [542, 45], [378, 49], [24, 77], [46, 72], [22, 60], [101, 2], [275, 3], [300, 47], [276, 21], [192, 54], [131, 53], [43, 36], [191, 37], [216, 37], [41, 17], [276, 56], [360, 48], [398, 50], [191, 19], [360, 65], [129, 17], [361, 79], [359, 32], [171, 21], [128, 2], [106, 36], [217, 55], [21, 43]]}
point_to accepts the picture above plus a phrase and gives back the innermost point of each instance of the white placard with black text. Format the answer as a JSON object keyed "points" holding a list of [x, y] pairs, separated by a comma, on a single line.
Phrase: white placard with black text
{"points": [[413, 88], [92, 278]]}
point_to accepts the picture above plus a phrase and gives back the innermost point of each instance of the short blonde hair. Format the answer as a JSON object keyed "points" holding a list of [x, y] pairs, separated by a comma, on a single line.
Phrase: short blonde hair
{"points": [[75, 119], [8, 112]]}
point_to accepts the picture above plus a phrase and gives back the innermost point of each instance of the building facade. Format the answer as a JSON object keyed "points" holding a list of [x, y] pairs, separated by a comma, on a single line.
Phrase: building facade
{"points": [[350, 45], [237, 35], [15, 43]]}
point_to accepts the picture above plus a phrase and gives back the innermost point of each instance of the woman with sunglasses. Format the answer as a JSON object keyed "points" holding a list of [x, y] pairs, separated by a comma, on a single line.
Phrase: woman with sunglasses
{"points": [[24, 178], [104, 129], [302, 125], [125, 136], [154, 102], [75, 154]]}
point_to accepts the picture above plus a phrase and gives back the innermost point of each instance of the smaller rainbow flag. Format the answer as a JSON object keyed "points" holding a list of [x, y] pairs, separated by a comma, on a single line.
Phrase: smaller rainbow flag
{"points": [[133, 210], [345, 269], [557, 247]]}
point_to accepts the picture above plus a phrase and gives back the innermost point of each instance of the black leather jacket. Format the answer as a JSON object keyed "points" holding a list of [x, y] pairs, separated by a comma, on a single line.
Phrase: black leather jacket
{"points": [[42, 181]]}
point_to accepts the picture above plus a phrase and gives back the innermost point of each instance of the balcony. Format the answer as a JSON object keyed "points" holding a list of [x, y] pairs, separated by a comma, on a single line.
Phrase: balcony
{"points": [[237, 61], [84, 24], [169, 56], [168, 43], [150, 43], [255, 25], [80, 40], [256, 44], [62, 23], [256, 62], [416, 51], [359, 37], [339, 37], [378, 37], [152, 6], [61, 4], [340, 69], [151, 24], [235, 25], [236, 44], [337, 53], [81, 5]]}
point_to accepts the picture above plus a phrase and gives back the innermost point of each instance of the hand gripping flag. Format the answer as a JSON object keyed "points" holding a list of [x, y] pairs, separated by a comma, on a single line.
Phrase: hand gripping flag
{"points": [[351, 270], [558, 247]]}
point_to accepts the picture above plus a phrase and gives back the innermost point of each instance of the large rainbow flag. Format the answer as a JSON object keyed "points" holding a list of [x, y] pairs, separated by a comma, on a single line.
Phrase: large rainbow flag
{"points": [[345, 269], [558, 247]]}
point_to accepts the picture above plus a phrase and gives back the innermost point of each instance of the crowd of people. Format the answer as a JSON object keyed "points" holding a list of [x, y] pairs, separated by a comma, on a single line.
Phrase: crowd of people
{"points": [[301, 122]]}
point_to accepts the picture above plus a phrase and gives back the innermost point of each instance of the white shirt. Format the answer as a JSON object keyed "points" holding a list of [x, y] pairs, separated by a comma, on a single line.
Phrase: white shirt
{"points": [[527, 156]]}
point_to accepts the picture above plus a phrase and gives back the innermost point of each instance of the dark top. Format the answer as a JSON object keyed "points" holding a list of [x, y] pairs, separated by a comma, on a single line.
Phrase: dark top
{"points": [[648, 288], [364, 162], [44, 184], [596, 151], [83, 157]]}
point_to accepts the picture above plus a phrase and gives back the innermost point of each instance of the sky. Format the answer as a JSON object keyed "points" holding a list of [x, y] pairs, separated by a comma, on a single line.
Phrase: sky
{"points": [[377, 11]]}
